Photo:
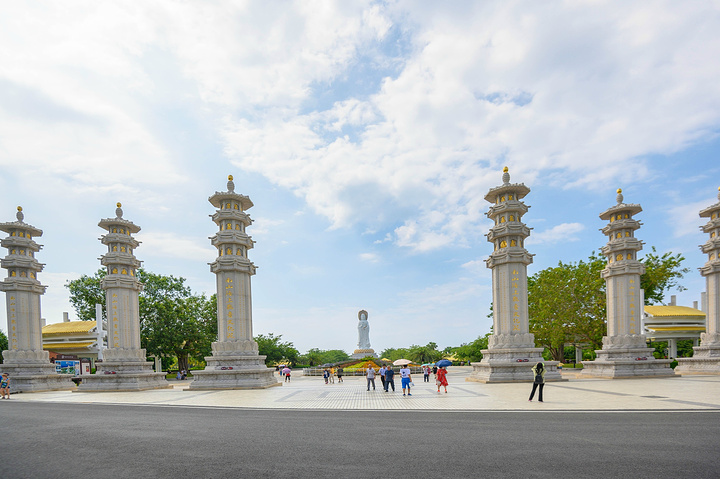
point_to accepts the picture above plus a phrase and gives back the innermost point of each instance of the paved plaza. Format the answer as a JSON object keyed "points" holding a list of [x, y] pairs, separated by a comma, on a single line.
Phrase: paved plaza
{"points": [[678, 393]]}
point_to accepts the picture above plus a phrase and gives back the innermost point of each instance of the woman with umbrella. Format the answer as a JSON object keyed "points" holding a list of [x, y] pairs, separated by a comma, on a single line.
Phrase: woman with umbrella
{"points": [[442, 374], [286, 373]]}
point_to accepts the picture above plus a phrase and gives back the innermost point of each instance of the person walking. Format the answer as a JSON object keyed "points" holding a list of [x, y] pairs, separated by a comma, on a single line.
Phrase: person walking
{"points": [[286, 371], [405, 379], [332, 375], [434, 369], [539, 380], [340, 374], [326, 375], [5, 386], [389, 381], [370, 377], [426, 374], [442, 379], [382, 376]]}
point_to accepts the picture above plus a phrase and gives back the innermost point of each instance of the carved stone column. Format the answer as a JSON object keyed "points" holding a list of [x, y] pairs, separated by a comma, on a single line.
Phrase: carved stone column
{"points": [[235, 362], [124, 366], [511, 349], [25, 361], [624, 352]]}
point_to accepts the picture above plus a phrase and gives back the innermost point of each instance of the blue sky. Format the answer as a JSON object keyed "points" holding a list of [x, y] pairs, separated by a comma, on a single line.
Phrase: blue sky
{"points": [[366, 134]]}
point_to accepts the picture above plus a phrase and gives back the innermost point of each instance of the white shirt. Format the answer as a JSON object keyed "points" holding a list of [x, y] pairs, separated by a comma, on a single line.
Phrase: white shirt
{"points": [[405, 372], [382, 371], [370, 373]]}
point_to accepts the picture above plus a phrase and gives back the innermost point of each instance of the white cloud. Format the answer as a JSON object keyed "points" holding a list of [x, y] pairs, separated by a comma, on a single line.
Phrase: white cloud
{"points": [[685, 220], [157, 243], [552, 91], [264, 226], [561, 233], [370, 257], [567, 93]]}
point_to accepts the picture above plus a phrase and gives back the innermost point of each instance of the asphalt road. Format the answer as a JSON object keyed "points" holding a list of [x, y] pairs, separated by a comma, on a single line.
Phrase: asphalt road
{"points": [[50, 440]]}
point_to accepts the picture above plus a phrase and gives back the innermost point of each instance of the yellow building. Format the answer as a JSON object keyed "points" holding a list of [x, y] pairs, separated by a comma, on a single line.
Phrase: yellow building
{"points": [[672, 323], [78, 338]]}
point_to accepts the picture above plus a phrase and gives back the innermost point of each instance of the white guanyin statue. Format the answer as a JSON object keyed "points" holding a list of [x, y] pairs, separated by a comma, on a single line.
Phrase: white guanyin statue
{"points": [[363, 330]]}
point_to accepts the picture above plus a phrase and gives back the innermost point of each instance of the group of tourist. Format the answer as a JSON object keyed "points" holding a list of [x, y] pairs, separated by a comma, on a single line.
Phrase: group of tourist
{"points": [[387, 377], [329, 375]]}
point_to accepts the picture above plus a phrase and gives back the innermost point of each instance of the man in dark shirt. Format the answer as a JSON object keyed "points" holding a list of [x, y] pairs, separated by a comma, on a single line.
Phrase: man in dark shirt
{"points": [[389, 381]]}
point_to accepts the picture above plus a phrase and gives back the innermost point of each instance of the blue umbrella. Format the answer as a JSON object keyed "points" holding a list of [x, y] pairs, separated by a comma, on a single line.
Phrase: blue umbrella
{"points": [[443, 363]]}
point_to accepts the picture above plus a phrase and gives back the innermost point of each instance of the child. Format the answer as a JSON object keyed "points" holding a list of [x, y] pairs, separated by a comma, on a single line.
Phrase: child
{"points": [[5, 386]]}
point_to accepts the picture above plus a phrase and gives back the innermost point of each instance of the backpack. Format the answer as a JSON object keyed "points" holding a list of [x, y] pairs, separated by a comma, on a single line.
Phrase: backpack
{"points": [[538, 378]]}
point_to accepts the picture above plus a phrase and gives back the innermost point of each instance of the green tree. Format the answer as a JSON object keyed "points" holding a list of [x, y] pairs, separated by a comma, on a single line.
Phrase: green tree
{"points": [[394, 354], [424, 354], [472, 351], [85, 293], [662, 274], [316, 357], [276, 350], [3, 344]]}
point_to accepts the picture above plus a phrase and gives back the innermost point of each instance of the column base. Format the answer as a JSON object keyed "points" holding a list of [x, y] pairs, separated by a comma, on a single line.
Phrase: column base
{"points": [[123, 376], [234, 372], [36, 378], [705, 360], [512, 365], [619, 363]]}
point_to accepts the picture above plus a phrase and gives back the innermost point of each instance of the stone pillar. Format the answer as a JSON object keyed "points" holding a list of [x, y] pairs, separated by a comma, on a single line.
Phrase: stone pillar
{"points": [[706, 357], [511, 349], [25, 361], [124, 366], [235, 362], [624, 352], [578, 354]]}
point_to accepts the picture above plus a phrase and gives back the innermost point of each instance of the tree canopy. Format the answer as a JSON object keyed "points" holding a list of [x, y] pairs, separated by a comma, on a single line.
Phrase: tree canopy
{"points": [[276, 350], [317, 357]]}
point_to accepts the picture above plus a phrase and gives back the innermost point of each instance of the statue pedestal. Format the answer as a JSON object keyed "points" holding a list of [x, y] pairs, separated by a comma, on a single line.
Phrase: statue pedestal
{"points": [[230, 367], [705, 360], [512, 365], [363, 353], [123, 370], [619, 363], [31, 371]]}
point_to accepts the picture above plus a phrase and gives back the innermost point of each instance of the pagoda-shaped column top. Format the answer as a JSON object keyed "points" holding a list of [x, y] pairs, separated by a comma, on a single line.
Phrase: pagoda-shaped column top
{"points": [[20, 261], [508, 233], [229, 200], [118, 224], [119, 260], [231, 241], [712, 245], [622, 246]]}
